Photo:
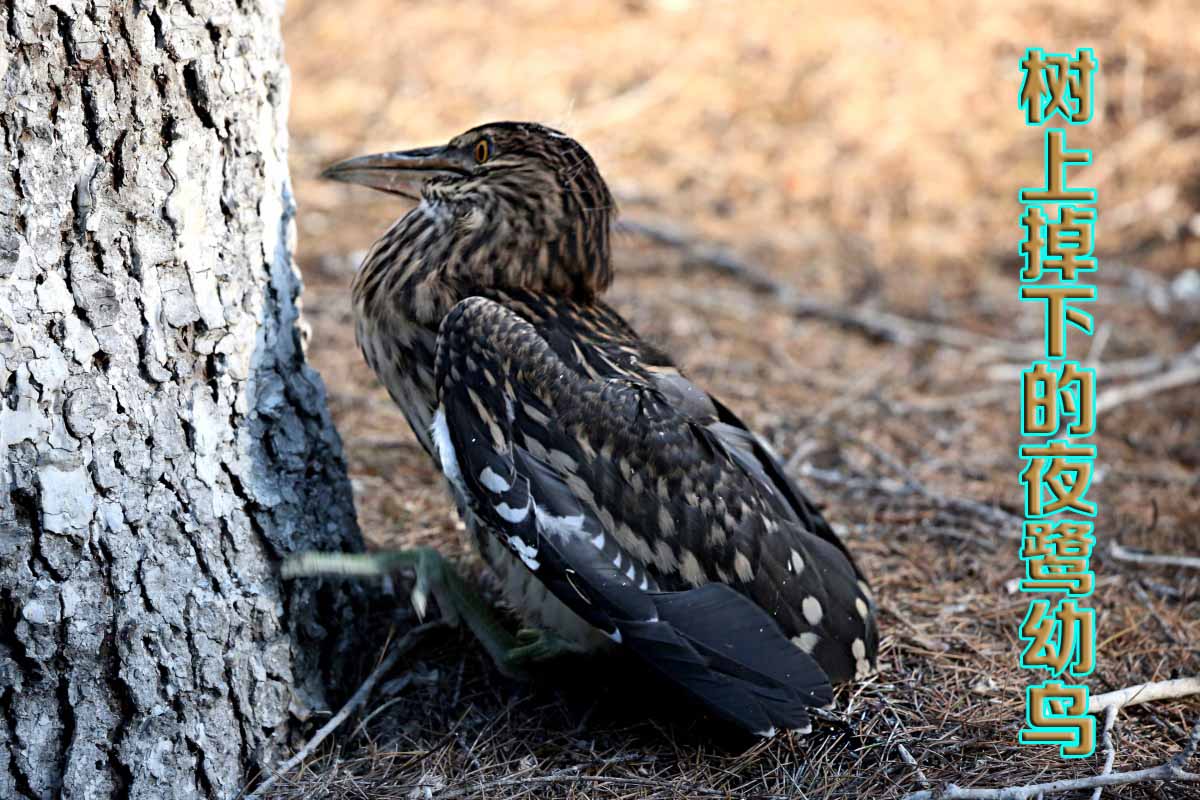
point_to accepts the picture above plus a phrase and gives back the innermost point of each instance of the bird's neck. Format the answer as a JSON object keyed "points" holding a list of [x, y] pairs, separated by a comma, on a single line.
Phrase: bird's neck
{"points": [[438, 254]]}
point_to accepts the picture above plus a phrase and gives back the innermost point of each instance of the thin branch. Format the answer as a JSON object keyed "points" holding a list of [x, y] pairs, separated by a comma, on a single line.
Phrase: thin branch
{"points": [[406, 643], [1110, 752], [1120, 553], [1172, 770], [1145, 693], [959, 402], [1099, 343], [1009, 525], [1183, 756], [880, 325], [907, 758], [1108, 371], [1182, 375]]}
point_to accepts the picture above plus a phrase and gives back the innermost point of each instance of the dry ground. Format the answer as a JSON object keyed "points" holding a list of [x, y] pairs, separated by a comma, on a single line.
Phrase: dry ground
{"points": [[868, 158]]}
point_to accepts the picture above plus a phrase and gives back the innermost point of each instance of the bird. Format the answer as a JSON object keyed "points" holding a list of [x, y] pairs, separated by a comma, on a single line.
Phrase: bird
{"points": [[618, 504]]}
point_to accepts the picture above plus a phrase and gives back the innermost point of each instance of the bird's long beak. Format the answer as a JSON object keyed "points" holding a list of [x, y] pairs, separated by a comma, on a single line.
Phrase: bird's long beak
{"points": [[400, 172]]}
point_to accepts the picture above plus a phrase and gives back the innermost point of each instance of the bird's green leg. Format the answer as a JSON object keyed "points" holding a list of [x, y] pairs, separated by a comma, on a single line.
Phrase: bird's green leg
{"points": [[534, 645], [456, 599]]}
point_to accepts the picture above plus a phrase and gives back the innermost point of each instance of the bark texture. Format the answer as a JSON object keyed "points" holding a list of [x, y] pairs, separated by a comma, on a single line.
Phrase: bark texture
{"points": [[163, 440]]}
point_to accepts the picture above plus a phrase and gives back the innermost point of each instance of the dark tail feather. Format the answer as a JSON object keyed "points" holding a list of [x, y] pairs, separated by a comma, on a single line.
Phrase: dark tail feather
{"points": [[743, 640], [729, 654], [671, 656]]}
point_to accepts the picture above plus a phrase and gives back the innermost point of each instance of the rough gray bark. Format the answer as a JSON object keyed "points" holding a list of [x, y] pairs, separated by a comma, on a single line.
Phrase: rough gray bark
{"points": [[164, 441]]}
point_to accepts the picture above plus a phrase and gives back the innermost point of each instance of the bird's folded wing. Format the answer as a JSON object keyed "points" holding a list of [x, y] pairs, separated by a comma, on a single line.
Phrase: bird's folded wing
{"points": [[531, 446], [687, 488]]}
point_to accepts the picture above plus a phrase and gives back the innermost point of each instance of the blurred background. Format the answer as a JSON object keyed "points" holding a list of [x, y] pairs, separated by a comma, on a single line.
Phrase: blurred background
{"points": [[804, 170]]}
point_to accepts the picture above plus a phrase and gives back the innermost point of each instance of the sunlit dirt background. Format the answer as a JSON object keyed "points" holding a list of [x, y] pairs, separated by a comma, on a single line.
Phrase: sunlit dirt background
{"points": [[866, 157]]}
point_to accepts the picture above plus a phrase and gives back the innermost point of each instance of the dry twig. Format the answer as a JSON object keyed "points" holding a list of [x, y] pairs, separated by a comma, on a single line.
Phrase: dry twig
{"points": [[1145, 693], [1133, 557], [1008, 525], [1153, 366], [406, 643], [907, 758], [1171, 770], [873, 323], [1110, 752], [1183, 374]]}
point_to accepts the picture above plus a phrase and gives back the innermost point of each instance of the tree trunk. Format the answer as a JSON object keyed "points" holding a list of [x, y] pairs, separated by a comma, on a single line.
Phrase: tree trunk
{"points": [[164, 440]]}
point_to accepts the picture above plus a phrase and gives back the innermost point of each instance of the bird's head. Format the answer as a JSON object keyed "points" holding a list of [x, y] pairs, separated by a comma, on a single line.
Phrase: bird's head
{"points": [[516, 204]]}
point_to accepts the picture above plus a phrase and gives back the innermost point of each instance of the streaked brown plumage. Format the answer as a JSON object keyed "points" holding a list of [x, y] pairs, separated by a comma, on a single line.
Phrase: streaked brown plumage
{"points": [[615, 499]]}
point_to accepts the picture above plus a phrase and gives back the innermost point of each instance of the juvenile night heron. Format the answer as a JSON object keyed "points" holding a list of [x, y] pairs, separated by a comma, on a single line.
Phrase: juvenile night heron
{"points": [[615, 500]]}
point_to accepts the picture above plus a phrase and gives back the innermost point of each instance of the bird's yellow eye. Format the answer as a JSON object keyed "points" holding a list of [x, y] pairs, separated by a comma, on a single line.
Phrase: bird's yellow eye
{"points": [[482, 151]]}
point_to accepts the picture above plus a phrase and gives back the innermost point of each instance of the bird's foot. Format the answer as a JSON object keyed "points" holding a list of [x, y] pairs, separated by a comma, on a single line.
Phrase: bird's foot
{"points": [[534, 645], [457, 600], [429, 567]]}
